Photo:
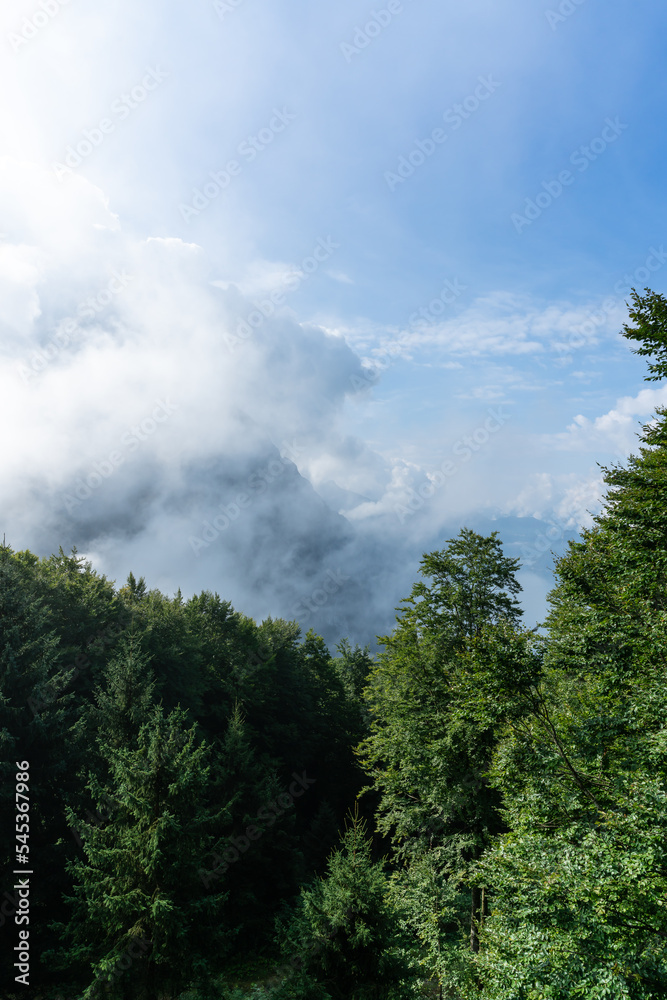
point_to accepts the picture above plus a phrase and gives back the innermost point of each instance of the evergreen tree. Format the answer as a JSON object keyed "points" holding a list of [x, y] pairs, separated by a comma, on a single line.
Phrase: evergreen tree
{"points": [[346, 935], [173, 645], [124, 696], [144, 926], [38, 726], [353, 667], [89, 616], [253, 855], [134, 590]]}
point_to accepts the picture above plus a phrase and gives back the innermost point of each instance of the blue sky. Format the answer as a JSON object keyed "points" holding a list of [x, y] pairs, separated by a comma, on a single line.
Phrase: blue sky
{"points": [[426, 220]]}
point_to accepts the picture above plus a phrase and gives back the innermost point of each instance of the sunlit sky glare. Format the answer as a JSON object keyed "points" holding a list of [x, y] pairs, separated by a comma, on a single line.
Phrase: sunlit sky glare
{"points": [[376, 239]]}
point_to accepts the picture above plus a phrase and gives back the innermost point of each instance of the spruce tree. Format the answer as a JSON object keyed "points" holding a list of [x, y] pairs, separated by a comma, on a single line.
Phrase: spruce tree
{"points": [[124, 695], [346, 934], [144, 926], [254, 854]]}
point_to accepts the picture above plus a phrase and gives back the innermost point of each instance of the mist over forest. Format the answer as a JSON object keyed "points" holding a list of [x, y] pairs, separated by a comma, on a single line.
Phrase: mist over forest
{"points": [[210, 806], [333, 546]]}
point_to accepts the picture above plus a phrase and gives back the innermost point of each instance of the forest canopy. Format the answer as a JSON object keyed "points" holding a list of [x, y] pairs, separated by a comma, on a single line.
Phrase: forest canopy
{"points": [[220, 808]]}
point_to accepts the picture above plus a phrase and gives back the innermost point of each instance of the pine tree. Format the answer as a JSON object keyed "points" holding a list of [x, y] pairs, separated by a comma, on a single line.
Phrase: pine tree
{"points": [[84, 605], [346, 935], [124, 695], [254, 855], [144, 925]]}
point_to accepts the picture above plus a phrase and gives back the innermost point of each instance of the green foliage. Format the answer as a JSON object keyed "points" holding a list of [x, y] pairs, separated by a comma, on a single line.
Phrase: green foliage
{"points": [[81, 669], [649, 313], [38, 724], [297, 987], [578, 912], [139, 901], [346, 933], [431, 900], [473, 586], [521, 781], [253, 855], [353, 666], [455, 668], [579, 885], [124, 696]]}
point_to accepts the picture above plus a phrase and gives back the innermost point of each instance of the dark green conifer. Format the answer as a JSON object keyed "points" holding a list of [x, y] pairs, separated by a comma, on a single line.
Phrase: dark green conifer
{"points": [[143, 923], [346, 935]]}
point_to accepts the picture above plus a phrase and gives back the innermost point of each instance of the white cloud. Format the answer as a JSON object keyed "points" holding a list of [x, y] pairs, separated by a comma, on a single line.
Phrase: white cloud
{"points": [[615, 431], [345, 279], [162, 334], [130, 423], [571, 499], [260, 277], [500, 324], [568, 499], [19, 301]]}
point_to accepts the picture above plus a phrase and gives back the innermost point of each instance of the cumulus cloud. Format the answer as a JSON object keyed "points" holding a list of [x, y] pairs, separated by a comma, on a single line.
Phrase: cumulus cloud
{"points": [[163, 418], [615, 431], [138, 414], [569, 499]]}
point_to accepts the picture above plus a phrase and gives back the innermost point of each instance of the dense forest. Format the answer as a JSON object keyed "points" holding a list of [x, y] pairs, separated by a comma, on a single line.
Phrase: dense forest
{"points": [[207, 807]]}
